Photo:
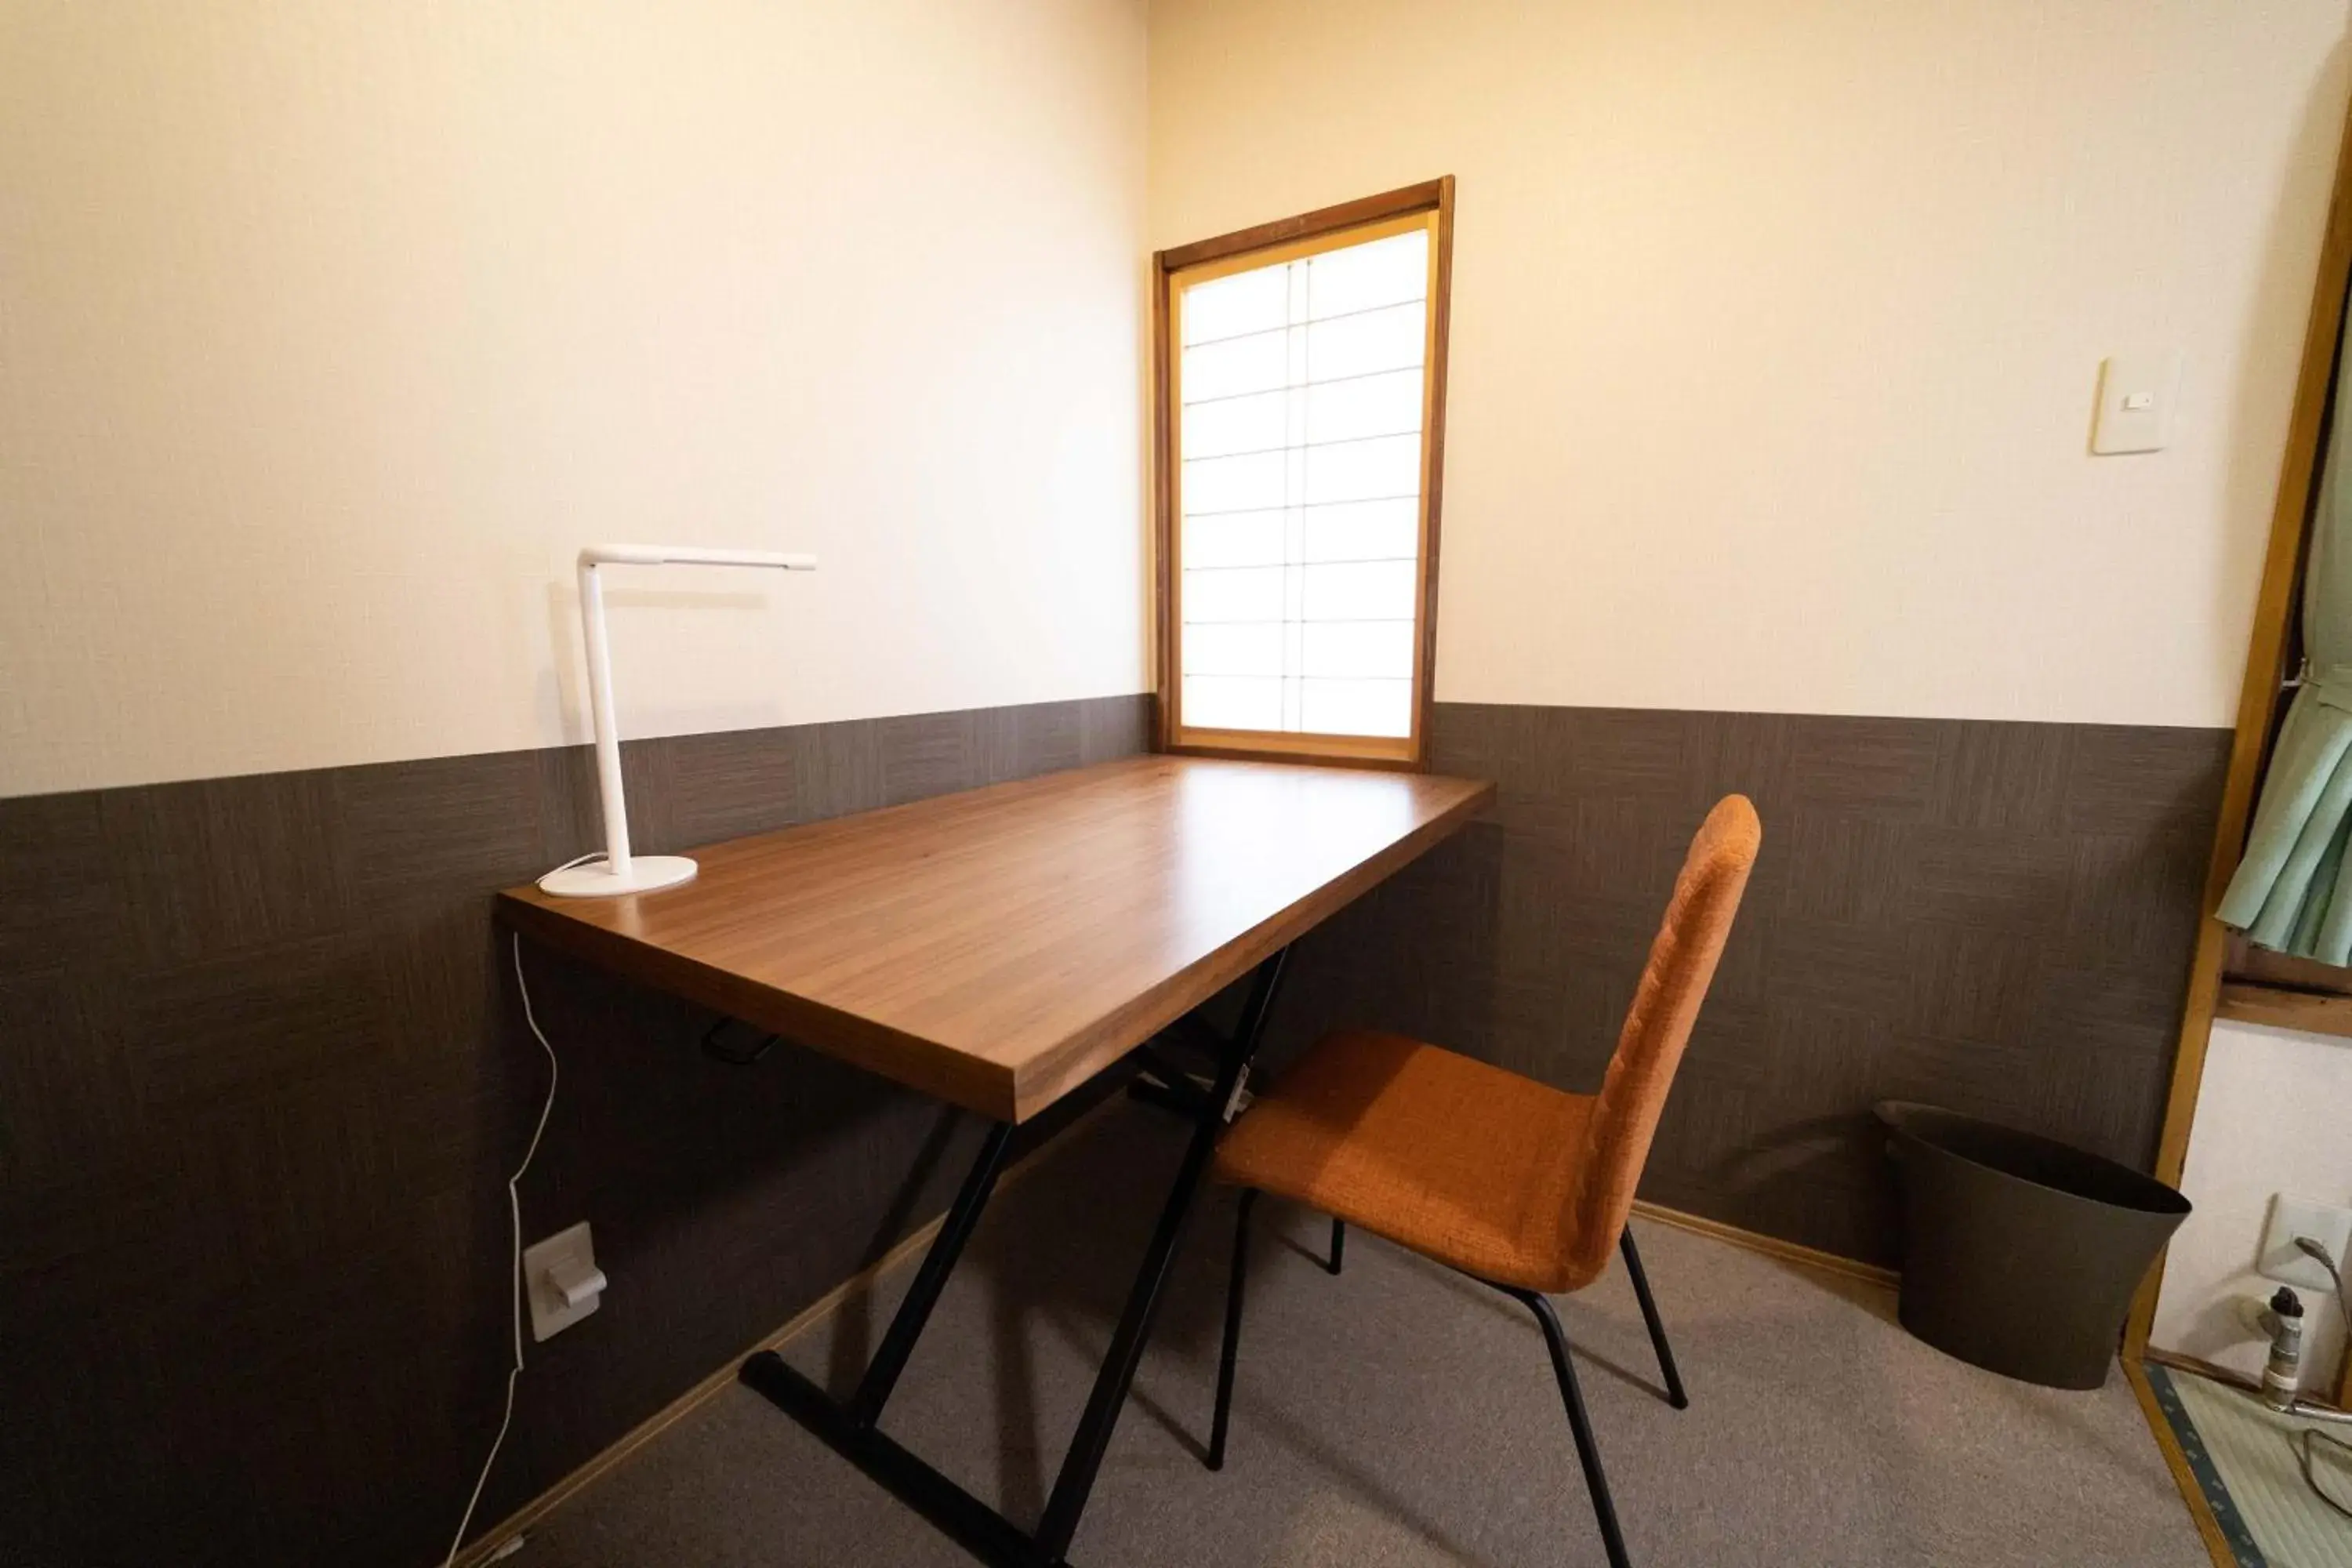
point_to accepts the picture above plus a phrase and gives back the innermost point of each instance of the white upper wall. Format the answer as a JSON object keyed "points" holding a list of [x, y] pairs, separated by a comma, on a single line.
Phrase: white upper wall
{"points": [[1777, 324], [328, 334]]}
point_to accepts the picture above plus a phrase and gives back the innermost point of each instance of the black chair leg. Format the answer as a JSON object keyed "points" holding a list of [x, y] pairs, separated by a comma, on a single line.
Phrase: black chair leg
{"points": [[1232, 1331], [1675, 1394], [1339, 1245], [1587, 1450]]}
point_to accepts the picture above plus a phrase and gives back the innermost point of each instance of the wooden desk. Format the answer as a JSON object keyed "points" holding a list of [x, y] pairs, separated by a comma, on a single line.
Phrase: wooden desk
{"points": [[997, 949], [1000, 947]]}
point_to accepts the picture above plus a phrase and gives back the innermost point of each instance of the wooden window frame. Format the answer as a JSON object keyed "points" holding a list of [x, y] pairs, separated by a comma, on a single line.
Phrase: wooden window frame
{"points": [[1329, 228]]}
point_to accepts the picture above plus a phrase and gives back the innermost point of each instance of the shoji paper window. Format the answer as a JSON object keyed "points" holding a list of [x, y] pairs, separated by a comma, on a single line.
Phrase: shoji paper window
{"points": [[1301, 389]]}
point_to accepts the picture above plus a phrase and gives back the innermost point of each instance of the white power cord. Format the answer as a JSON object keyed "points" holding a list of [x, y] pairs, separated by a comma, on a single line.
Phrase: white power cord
{"points": [[514, 1214], [2318, 1252]]}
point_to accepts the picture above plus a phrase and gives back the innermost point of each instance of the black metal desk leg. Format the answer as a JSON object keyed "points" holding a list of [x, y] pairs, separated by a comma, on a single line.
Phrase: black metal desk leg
{"points": [[1079, 1467], [906, 1323], [1231, 1352], [852, 1429]]}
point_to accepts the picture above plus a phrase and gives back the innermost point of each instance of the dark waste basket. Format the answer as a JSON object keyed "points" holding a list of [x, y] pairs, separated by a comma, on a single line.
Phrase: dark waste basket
{"points": [[2020, 1254]]}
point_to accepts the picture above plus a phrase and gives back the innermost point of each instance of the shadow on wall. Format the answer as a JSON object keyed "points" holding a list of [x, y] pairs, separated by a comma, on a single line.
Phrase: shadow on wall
{"points": [[1416, 956], [563, 690]]}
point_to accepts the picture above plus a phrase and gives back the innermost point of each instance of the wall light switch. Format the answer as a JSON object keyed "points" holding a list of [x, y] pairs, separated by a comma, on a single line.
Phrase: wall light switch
{"points": [[561, 1278], [2136, 392], [2324, 1223]]}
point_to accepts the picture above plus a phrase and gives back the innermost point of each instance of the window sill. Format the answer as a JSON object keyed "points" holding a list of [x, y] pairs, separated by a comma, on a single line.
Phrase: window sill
{"points": [[1291, 746]]}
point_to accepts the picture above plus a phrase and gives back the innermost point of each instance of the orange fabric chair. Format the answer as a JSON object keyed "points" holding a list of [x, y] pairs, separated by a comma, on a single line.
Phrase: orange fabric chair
{"points": [[1519, 1185]]}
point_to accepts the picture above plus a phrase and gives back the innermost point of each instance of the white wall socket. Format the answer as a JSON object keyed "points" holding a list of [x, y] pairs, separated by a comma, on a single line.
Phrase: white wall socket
{"points": [[2326, 1224], [561, 1279]]}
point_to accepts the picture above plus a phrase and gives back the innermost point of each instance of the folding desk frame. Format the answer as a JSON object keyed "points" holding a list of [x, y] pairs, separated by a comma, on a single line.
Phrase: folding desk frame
{"points": [[852, 1429]]}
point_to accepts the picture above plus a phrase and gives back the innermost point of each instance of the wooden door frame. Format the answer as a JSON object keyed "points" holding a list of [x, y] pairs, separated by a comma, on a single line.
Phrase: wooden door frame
{"points": [[2258, 699]]}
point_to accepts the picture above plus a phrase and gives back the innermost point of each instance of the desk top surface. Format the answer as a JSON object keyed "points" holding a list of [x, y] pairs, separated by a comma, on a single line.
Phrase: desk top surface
{"points": [[998, 947]]}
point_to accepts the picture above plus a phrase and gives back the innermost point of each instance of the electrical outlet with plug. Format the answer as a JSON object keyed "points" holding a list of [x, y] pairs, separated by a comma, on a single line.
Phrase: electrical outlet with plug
{"points": [[561, 1280], [2326, 1224]]}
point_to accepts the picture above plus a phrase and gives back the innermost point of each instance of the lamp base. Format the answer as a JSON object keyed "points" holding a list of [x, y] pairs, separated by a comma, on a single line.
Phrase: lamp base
{"points": [[647, 873]]}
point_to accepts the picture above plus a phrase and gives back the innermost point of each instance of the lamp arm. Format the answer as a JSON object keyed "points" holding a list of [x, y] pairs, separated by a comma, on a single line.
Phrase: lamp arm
{"points": [[690, 555]]}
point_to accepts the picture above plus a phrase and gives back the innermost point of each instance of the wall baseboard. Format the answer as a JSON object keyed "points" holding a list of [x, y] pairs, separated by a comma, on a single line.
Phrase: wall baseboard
{"points": [[1772, 1246], [488, 1546]]}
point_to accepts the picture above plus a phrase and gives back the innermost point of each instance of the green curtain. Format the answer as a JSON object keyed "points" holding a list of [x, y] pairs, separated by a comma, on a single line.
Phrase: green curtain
{"points": [[2291, 893]]}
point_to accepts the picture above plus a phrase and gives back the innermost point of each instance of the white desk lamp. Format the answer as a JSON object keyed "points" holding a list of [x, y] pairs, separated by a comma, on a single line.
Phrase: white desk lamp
{"points": [[620, 872]]}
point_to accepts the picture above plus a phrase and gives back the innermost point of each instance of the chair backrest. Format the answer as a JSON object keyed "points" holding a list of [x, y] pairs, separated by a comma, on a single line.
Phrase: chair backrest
{"points": [[1683, 957]]}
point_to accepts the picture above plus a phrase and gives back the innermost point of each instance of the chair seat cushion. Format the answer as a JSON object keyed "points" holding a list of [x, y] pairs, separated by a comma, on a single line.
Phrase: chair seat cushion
{"points": [[1460, 1162]]}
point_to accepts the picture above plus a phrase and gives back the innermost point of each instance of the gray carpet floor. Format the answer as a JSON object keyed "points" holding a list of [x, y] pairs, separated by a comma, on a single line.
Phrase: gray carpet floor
{"points": [[1398, 1417]]}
